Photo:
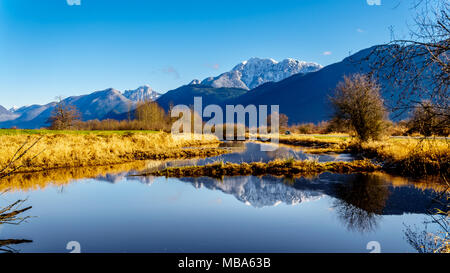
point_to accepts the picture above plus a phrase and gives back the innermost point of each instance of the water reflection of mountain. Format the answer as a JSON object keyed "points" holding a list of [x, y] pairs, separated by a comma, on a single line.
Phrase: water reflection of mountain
{"points": [[369, 192], [256, 192]]}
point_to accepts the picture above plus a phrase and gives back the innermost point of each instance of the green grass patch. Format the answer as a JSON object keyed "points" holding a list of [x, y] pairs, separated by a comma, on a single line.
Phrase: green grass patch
{"points": [[332, 137], [12, 132]]}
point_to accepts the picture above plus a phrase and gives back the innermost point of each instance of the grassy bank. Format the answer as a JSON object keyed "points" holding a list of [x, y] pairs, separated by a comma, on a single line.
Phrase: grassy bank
{"points": [[412, 157], [313, 141], [290, 168], [13, 132], [408, 156], [78, 149]]}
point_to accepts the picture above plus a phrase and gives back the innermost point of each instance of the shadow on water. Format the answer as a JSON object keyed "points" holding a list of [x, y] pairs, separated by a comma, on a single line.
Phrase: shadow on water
{"points": [[360, 202]]}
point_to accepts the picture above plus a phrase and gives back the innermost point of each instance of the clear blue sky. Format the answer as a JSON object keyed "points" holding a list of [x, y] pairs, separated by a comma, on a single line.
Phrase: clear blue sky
{"points": [[48, 48]]}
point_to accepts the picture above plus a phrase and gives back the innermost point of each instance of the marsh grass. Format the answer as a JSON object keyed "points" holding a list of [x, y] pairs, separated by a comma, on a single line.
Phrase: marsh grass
{"points": [[72, 132], [411, 157], [407, 156], [287, 168], [79, 150]]}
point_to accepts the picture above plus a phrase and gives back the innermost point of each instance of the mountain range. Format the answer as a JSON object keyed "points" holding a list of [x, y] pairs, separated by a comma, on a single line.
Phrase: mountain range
{"points": [[300, 89], [303, 97], [255, 71], [111, 103], [96, 105]]}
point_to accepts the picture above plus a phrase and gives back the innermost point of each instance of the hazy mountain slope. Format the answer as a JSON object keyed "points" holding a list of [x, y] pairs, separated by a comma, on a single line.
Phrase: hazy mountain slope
{"points": [[92, 106], [6, 114], [29, 116], [185, 95], [32, 111], [98, 104], [4, 111]]}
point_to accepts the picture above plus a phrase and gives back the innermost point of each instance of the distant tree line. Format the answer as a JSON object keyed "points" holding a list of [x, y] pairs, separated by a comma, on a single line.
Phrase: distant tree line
{"points": [[148, 116]]}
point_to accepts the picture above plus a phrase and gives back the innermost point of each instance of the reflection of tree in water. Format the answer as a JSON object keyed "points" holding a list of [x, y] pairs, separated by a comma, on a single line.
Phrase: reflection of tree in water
{"points": [[5, 245], [437, 241], [424, 241], [11, 215], [360, 202]]}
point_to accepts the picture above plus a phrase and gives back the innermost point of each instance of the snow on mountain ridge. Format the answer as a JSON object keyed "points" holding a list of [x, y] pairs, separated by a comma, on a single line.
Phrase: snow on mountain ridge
{"points": [[254, 72], [257, 192], [142, 93], [14, 108], [5, 114]]}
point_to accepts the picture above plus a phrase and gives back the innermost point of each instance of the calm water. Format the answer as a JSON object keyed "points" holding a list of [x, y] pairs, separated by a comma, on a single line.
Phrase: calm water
{"points": [[114, 212]]}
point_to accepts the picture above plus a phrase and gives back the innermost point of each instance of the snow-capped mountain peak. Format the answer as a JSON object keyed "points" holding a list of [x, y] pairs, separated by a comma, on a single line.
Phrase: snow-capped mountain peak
{"points": [[13, 109], [195, 81], [256, 62], [253, 72], [142, 93]]}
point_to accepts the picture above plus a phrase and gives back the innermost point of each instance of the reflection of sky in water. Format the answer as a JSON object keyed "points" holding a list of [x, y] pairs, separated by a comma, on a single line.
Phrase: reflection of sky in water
{"points": [[252, 152], [239, 214]]}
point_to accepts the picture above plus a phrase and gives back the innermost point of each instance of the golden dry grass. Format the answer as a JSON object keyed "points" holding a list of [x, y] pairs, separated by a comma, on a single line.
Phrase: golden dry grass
{"points": [[74, 150], [415, 157], [407, 156]]}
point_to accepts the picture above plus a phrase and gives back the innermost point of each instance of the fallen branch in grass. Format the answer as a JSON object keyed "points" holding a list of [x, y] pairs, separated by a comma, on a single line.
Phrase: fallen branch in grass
{"points": [[10, 213], [10, 168]]}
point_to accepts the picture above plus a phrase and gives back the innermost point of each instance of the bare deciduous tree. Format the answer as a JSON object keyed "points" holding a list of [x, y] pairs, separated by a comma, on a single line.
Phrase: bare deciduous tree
{"points": [[357, 101], [428, 121], [151, 115], [417, 68], [64, 116]]}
